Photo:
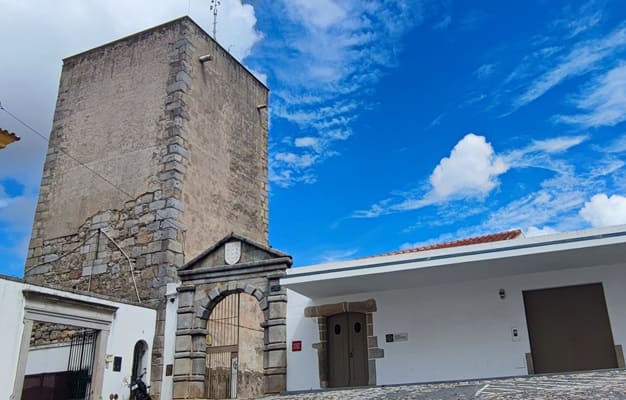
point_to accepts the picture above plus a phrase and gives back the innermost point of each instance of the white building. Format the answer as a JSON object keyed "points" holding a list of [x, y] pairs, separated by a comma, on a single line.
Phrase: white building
{"points": [[114, 338], [479, 308], [492, 306]]}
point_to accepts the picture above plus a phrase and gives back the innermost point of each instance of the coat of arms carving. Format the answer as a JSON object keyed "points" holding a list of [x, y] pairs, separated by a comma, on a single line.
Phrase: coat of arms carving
{"points": [[232, 252]]}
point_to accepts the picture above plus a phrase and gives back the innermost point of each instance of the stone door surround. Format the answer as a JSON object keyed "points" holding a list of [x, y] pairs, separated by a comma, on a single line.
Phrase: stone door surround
{"points": [[219, 271], [322, 312], [57, 309]]}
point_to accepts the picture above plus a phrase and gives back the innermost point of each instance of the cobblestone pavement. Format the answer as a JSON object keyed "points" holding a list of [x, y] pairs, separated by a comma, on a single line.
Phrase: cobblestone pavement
{"points": [[604, 385]]}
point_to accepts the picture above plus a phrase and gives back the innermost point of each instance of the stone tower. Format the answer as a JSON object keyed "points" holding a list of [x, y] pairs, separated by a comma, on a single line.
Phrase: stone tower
{"points": [[158, 149]]}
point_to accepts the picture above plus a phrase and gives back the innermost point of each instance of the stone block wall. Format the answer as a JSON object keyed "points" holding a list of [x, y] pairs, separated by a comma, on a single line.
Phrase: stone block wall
{"points": [[181, 158], [195, 303], [226, 178], [45, 333], [206, 281], [92, 259]]}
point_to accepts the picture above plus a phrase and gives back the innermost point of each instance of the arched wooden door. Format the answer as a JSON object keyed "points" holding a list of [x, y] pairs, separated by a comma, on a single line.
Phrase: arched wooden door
{"points": [[347, 350], [235, 348]]}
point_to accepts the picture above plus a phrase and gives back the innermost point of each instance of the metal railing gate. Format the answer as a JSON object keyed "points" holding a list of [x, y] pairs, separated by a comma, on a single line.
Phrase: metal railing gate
{"points": [[223, 349], [80, 363]]}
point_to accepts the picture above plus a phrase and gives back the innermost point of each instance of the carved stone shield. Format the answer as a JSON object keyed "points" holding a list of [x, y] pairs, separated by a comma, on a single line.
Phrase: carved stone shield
{"points": [[232, 252]]}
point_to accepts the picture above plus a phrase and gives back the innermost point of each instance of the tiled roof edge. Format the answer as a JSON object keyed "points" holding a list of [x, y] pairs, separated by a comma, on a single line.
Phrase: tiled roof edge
{"points": [[489, 238]]}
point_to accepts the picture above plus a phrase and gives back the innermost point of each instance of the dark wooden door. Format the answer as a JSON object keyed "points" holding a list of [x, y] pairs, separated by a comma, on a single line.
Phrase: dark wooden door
{"points": [[338, 345], [357, 355], [569, 329], [51, 386], [347, 350]]}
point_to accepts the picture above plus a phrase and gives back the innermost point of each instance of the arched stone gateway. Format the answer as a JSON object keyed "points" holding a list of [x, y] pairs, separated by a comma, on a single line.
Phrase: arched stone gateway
{"points": [[231, 308]]}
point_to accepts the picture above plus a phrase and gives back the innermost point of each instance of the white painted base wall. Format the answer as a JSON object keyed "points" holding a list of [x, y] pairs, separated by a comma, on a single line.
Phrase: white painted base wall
{"points": [[46, 359], [169, 344], [12, 312], [131, 324], [456, 331]]}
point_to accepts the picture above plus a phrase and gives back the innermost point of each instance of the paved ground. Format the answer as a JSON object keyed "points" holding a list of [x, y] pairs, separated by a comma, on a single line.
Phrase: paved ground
{"points": [[605, 385]]}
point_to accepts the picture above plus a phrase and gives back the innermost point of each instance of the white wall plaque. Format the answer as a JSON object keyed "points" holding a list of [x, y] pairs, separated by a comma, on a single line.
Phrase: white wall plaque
{"points": [[232, 252], [400, 337]]}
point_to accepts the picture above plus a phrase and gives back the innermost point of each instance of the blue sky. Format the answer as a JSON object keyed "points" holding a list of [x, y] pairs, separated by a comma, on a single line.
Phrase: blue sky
{"points": [[394, 123]]}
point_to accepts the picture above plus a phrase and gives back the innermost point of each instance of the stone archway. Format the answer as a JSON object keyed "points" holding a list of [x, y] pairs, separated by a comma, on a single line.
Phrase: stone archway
{"points": [[209, 279]]}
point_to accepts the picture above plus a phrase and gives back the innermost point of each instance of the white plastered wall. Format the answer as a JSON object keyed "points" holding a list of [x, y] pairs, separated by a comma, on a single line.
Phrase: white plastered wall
{"points": [[169, 338], [455, 331], [302, 367], [12, 312], [130, 324], [46, 359]]}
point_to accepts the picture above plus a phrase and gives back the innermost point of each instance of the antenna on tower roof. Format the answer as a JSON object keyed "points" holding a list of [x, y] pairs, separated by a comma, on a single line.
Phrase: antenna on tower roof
{"points": [[214, 5]]}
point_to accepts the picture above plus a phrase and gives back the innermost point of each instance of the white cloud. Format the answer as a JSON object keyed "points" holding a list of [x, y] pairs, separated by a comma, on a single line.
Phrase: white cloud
{"points": [[603, 102], [484, 71], [236, 29], [18, 212], [337, 255], [444, 23], [541, 154], [319, 14], [577, 21], [551, 204], [606, 166], [436, 121], [581, 59], [618, 145], [558, 144], [335, 52], [533, 231], [308, 141], [50, 31], [296, 160], [374, 211], [472, 169], [285, 178], [42, 34], [603, 210]]}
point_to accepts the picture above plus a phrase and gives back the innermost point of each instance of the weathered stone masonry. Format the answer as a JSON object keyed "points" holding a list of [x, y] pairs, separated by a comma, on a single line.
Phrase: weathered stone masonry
{"points": [[183, 142], [206, 280]]}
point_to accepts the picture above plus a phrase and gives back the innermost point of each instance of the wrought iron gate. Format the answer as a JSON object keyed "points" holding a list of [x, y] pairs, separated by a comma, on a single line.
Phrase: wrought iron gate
{"points": [[80, 364], [223, 349]]}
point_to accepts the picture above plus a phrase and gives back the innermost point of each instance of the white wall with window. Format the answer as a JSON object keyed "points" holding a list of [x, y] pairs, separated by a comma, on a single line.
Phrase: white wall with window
{"points": [[120, 326]]}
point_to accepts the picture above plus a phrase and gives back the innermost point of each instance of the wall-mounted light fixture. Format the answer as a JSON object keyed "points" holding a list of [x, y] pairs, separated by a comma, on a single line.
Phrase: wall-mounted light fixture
{"points": [[502, 294], [205, 58]]}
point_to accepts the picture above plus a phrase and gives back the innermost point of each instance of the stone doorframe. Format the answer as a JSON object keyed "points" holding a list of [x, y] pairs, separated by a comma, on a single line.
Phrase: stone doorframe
{"points": [[322, 312], [48, 307], [205, 281]]}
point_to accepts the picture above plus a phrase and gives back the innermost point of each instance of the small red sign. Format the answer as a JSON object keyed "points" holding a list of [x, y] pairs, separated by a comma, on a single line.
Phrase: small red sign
{"points": [[296, 345]]}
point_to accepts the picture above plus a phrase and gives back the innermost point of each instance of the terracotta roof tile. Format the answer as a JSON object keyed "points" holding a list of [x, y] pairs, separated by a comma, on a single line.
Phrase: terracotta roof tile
{"points": [[493, 237], [7, 138]]}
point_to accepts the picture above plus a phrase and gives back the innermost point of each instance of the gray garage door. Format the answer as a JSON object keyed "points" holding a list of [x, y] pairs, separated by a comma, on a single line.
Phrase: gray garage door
{"points": [[569, 329]]}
